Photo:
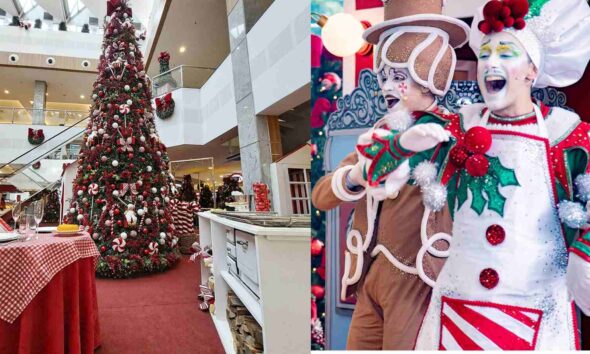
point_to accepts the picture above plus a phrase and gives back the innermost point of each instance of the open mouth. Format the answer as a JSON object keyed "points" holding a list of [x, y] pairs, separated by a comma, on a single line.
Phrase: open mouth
{"points": [[391, 101], [495, 83]]}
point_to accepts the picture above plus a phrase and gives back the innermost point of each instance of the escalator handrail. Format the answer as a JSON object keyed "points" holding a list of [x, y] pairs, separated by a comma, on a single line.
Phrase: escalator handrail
{"points": [[46, 141]]}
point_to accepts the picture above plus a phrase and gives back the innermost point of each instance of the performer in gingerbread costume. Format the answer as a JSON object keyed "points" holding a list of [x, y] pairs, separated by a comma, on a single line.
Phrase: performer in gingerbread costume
{"points": [[414, 62], [517, 177]]}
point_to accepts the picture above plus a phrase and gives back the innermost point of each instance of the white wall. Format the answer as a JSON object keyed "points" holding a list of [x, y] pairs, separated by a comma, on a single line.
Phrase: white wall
{"points": [[278, 47], [218, 102], [185, 125], [14, 142], [67, 44]]}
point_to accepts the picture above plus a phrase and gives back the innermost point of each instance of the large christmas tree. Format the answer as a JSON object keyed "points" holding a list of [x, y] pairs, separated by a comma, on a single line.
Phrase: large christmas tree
{"points": [[121, 191]]}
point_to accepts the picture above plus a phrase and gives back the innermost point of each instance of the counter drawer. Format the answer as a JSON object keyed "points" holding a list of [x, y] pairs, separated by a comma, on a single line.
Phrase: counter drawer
{"points": [[229, 235], [247, 258], [231, 249], [231, 265]]}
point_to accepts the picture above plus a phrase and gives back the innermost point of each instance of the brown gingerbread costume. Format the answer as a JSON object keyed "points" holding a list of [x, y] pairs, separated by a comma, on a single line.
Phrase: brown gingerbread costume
{"points": [[390, 302]]}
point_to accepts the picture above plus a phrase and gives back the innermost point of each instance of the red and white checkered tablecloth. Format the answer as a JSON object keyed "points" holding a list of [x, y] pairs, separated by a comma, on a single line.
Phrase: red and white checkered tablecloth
{"points": [[27, 267]]}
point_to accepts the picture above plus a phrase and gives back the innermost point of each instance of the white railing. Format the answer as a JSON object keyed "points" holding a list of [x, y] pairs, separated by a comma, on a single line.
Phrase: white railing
{"points": [[30, 116], [183, 76]]}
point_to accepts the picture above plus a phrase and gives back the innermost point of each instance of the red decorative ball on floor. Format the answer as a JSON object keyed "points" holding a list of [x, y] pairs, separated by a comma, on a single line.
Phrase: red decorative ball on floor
{"points": [[316, 247], [318, 291], [477, 165], [458, 156], [478, 140]]}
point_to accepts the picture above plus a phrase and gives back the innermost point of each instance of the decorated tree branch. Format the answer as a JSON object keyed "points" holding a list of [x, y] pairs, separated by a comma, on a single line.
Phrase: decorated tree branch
{"points": [[122, 187]]}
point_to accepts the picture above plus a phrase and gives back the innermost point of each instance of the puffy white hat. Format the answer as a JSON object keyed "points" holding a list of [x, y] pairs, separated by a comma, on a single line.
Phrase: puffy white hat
{"points": [[555, 33]]}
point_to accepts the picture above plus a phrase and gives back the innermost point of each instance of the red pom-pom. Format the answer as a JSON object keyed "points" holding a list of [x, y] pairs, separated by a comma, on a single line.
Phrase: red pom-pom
{"points": [[519, 8], [458, 156], [505, 12], [508, 22], [484, 27], [478, 140], [477, 165], [519, 23], [492, 9], [316, 247], [318, 291], [498, 26]]}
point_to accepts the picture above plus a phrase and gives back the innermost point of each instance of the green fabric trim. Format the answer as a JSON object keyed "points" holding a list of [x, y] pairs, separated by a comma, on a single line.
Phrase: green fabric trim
{"points": [[582, 247]]}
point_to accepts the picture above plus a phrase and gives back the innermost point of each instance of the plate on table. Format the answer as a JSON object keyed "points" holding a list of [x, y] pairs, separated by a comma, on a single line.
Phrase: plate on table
{"points": [[68, 233], [8, 236]]}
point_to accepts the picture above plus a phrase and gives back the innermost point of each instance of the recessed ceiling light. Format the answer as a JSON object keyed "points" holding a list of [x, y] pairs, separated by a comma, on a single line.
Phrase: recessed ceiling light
{"points": [[31, 102], [6, 92], [82, 96], [182, 49], [46, 93]]}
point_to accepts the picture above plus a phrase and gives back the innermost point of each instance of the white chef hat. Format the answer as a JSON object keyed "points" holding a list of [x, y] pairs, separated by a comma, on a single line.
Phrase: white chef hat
{"points": [[556, 36]]}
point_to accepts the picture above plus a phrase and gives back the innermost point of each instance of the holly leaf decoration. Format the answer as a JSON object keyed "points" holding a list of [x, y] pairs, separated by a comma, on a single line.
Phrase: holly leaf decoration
{"points": [[535, 7], [485, 190]]}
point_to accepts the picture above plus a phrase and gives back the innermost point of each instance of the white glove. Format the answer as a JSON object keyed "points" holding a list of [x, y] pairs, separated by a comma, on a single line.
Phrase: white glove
{"points": [[578, 282], [423, 137], [356, 174]]}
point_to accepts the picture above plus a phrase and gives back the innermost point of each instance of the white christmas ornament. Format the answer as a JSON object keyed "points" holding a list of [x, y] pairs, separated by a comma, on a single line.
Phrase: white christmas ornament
{"points": [[80, 192], [142, 138], [162, 235], [80, 217], [167, 200], [127, 88], [116, 193], [141, 149], [133, 233], [154, 190], [148, 221], [124, 235], [72, 210], [103, 158], [129, 102], [115, 125], [149, 168], [115, 163]]}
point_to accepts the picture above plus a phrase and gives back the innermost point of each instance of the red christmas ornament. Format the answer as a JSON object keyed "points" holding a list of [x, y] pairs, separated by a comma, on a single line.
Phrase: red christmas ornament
{"points": [[103, 249], [478, 140], [318, 291], [495, 234], [458, 156], [489, 278], [477, 165], [119, 223], [117, 212], [316, 247], [146, 252]]}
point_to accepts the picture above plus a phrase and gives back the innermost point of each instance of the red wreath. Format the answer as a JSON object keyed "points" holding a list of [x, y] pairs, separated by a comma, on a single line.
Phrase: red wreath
{"points": [[499, 15], [36, 136], [165, 106]]}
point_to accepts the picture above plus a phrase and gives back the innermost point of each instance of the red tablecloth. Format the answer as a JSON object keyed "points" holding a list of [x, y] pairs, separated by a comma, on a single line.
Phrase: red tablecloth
{"points": [[61, 318]]}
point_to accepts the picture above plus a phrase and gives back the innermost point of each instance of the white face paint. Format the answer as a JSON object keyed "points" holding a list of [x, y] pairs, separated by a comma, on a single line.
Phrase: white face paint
{"points": [[502, 70], [400, 90]]}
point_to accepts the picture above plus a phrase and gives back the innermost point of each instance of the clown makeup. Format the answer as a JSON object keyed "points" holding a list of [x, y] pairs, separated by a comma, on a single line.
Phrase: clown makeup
{"points": [[401, 91], [504, 73]]}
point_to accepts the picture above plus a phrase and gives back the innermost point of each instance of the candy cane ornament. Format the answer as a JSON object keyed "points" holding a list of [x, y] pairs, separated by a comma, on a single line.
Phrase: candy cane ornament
{"points": [[119, 244]]}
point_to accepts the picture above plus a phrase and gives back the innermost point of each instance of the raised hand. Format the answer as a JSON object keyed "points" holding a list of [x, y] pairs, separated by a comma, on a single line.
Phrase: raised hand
{"points": [[423, 137]]}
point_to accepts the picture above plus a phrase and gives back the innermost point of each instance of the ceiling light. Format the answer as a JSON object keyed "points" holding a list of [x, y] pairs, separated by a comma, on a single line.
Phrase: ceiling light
{"points": [[82, 96], [46, 93], [182, 49], [6, 92], [31, 102]]}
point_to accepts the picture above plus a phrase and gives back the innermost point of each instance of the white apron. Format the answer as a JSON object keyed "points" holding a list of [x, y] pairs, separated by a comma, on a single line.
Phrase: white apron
{"points": [[528, 307]]}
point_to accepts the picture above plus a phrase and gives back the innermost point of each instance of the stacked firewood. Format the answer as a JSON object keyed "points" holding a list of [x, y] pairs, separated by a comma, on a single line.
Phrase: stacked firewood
{"points": [[246, 332]]}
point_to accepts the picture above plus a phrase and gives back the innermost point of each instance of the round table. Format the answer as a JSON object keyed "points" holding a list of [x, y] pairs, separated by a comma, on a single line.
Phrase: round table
{"points": [[48, 298]]}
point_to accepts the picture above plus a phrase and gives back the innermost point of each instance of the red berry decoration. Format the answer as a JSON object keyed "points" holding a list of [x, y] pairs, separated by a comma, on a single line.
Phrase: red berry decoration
{"points": [[498, 26], [484, 27], [477, 165], [495, 234], [509, 22], [458, 156], [316, 247], [489, 278], [519, 23], [478, 140], [318, 291]]}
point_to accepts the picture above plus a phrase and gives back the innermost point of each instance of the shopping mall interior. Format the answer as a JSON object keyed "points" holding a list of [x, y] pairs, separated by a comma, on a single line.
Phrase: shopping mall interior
{"points": [[229, 89]]}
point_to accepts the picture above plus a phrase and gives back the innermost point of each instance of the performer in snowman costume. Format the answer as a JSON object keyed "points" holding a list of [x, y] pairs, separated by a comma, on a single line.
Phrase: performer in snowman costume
{"points": [[414, 62], [517, 176]]}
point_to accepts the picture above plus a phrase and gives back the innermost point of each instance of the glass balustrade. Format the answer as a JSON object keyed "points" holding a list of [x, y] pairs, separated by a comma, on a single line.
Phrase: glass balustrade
{"points": [[183, 76], [9, 115]]}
